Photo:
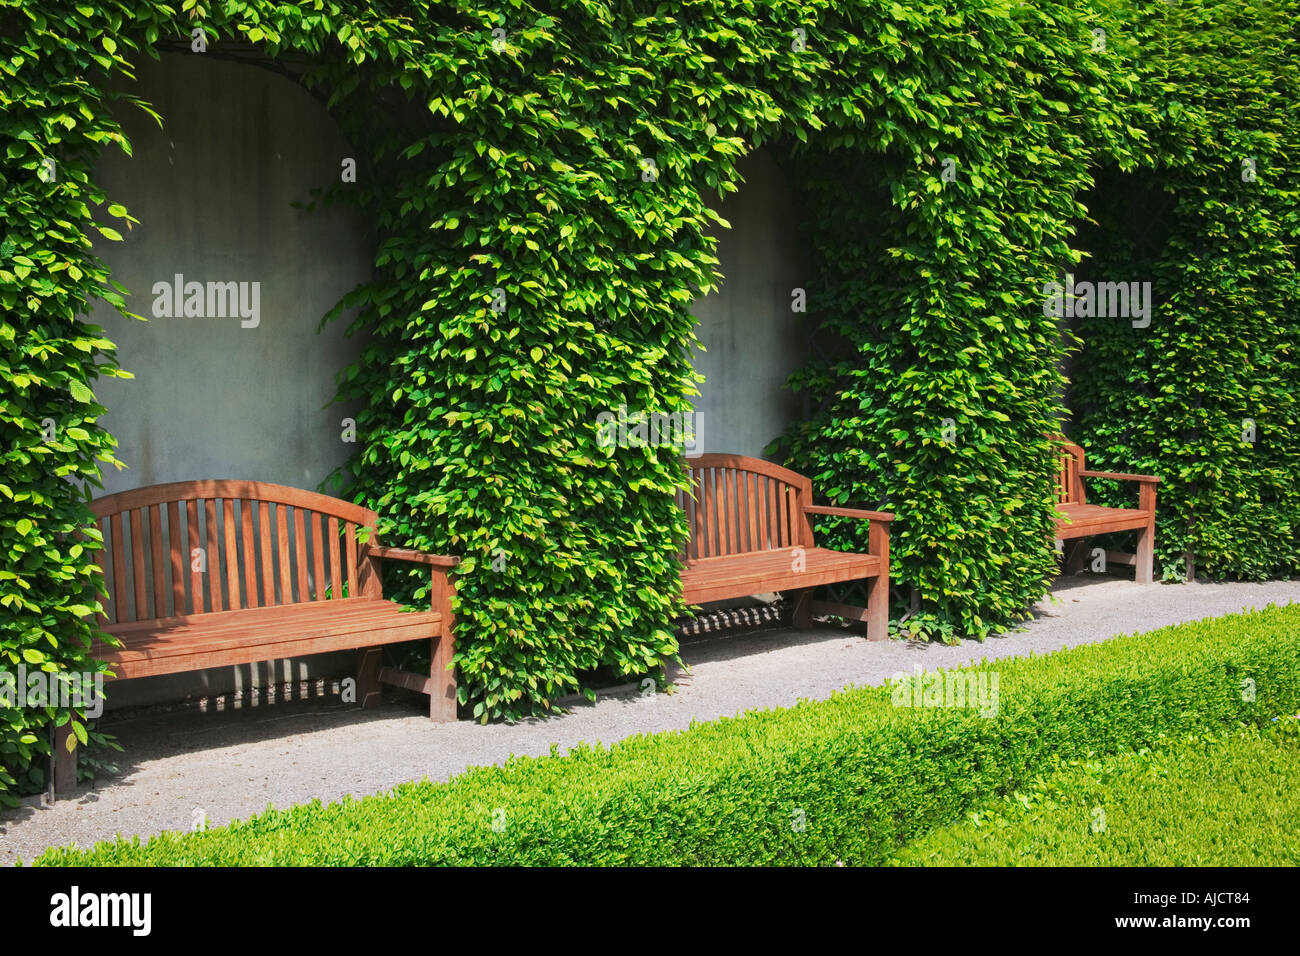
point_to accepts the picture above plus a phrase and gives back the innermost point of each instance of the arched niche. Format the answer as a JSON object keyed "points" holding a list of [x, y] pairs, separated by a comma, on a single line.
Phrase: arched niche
{"points": [[751, 338], [214, 396]]}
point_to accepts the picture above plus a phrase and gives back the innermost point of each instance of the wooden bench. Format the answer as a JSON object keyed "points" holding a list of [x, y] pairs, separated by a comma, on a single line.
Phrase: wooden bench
{"points": [[751, 533], [1078, 519], [218, 573]]}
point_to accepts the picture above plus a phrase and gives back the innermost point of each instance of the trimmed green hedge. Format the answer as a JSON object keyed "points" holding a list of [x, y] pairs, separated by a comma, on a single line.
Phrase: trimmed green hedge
{"points": [[848, 779], [1226, 801]]}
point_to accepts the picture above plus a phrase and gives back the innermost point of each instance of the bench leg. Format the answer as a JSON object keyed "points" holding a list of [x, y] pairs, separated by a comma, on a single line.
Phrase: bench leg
{"points": [[878, 607], [442, 677], [802, 609], [65, 763], [1074, 551], [442, 696], [1146, 554], [368, 662]]}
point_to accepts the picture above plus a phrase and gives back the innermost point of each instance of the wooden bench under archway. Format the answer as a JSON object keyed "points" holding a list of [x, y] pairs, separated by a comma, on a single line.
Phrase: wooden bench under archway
{"points": [[751, 533], [207, 574], [1078, 519]]}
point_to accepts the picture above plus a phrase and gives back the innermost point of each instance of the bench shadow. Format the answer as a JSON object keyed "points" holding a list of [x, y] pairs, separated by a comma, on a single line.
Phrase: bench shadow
{"points": [[158, 734]]}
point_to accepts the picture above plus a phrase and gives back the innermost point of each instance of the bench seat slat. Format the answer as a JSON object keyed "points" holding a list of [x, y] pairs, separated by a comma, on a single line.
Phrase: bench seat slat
{"points": [[344, 608], [732, 576], [1078, 521], [242, 652], [195, 639], [256, 634]]}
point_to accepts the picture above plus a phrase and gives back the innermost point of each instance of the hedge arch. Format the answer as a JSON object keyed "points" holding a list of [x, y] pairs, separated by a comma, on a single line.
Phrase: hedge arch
{"points": [[543, 232], [1207, 396]]}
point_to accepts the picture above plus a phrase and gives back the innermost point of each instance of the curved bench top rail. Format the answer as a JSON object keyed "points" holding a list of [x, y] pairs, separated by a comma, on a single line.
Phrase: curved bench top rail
{"points": [[755, 465], [231, 489]]}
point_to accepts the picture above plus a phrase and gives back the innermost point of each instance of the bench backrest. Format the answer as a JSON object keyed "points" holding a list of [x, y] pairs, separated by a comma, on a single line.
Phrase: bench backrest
{"points": [[1069, 486], [738, 505], [193, 547]]}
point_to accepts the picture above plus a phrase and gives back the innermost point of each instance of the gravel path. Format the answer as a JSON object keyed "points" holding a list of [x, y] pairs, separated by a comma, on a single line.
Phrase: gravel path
{"points": [[232, 765]]}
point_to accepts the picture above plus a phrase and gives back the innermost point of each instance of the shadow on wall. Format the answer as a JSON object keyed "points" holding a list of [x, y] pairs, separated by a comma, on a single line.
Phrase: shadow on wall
{"points": [[751, 337], [237, 390]]}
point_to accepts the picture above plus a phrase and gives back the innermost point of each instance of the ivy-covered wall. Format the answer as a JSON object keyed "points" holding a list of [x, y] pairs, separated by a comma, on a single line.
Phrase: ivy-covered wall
{"points": [[1208, 395], [538, 175]]}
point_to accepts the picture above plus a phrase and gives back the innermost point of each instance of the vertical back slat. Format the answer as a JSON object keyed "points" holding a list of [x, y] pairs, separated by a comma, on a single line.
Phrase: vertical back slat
{"points": [[318, 555], [249, 537], [733, 511], [692, 519], [801, 519], [697, 532], [697, 507], [707, 509], [300, 548], [715, 512], [268, 553], [351, 532], [159, 574], [738, 510], [138, 567], [333, 543], [178, 567], [196, 544], [120, 613], [763, 487], [231, 551], [751, 509], [741, 480], [783, 520], [282, 540], [212, 554], [723, 505]]}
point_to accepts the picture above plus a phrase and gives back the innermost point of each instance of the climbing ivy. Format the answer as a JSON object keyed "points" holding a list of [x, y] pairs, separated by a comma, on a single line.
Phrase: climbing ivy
{"points": [[1206, 396], [538, 176]]}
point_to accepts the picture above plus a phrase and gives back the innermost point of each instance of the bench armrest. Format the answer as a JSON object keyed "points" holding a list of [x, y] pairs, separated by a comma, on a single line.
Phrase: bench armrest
{"points": [[1117, 476], [884, 516], [409, 554]]}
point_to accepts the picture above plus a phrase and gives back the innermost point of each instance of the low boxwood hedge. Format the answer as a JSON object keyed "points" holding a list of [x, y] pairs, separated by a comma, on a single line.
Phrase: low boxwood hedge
{"points": [[1222, 801], [848, 779]]}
